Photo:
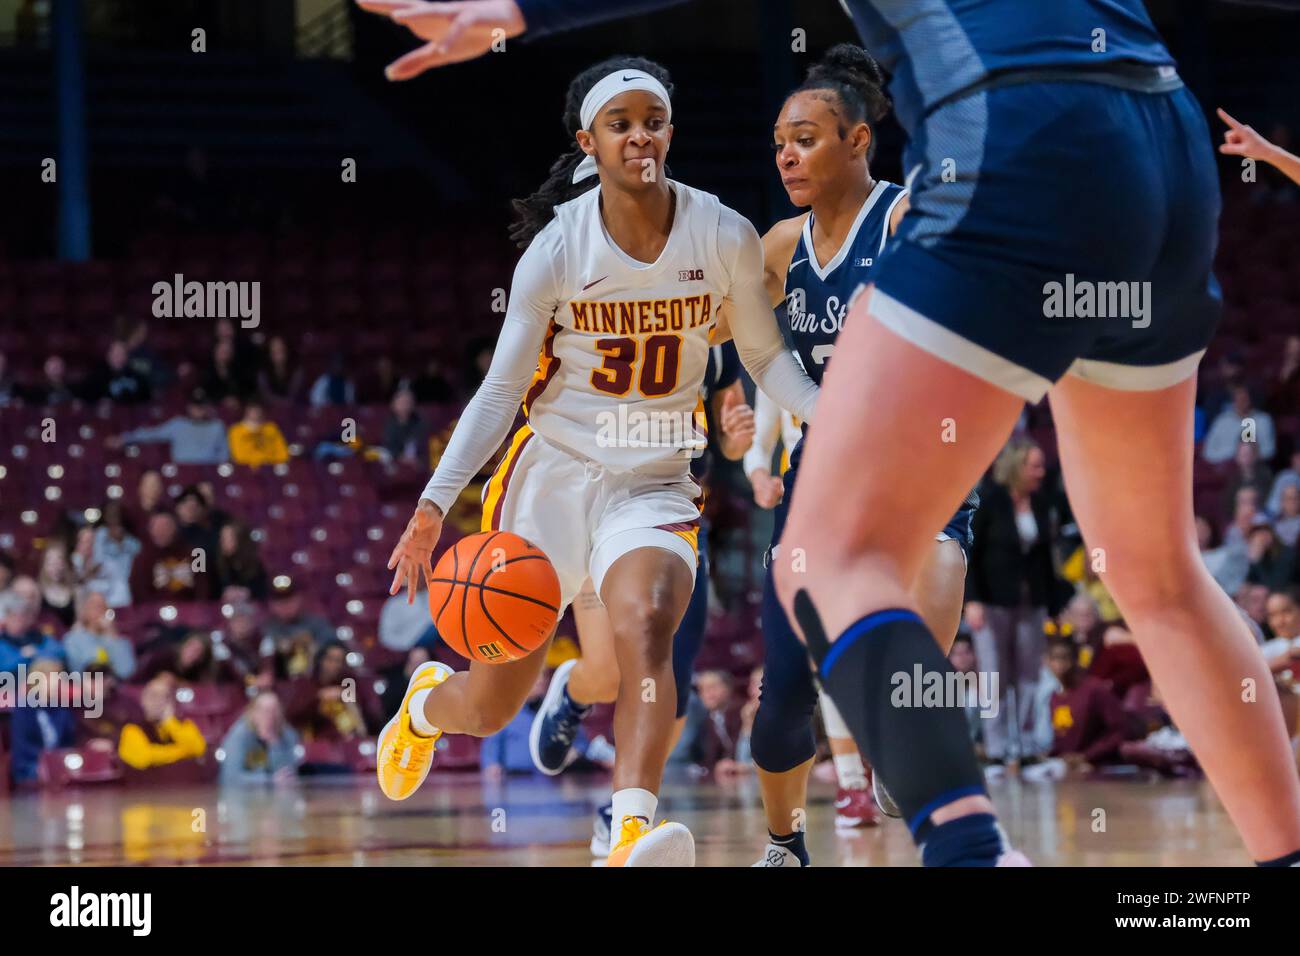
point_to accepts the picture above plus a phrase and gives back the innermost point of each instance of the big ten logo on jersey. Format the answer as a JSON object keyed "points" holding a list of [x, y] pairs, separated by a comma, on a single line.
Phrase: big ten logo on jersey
{"points": [[830, 322], [690, 275]]}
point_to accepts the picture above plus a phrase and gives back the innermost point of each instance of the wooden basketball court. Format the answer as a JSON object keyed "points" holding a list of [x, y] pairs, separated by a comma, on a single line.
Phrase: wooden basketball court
{"points": [[460, 820]]}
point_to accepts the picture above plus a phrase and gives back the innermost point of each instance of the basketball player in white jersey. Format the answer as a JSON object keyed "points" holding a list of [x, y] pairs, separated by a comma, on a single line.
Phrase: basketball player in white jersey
{"points": [[605, 341]]}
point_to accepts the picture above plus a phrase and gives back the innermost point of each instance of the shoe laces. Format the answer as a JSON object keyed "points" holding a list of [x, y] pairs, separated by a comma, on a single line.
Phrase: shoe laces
{"points": [[421, 749], [630, 831]]}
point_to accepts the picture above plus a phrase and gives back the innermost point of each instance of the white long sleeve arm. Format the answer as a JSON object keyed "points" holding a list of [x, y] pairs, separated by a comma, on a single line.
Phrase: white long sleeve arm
{"points": [[753, 324], [490, 413], [767, 429]]}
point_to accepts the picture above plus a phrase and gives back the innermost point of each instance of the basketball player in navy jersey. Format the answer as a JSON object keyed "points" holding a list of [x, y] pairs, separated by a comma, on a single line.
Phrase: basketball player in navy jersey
{"points": [[814, 263], [1052, 147]]}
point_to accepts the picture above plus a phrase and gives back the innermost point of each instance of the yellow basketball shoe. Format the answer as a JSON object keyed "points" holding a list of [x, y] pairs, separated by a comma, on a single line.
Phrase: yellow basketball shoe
{"points": [[639, 844], [404, 756]]}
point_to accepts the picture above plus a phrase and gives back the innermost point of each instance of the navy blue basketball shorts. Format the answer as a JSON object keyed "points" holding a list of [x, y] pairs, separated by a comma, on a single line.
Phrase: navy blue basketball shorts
{"points": [[1058, 228]]}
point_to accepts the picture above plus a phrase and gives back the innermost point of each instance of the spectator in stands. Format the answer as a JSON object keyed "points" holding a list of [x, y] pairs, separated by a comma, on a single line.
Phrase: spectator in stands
{"points": [[260, 746], [58, 583], [1287, 516], [402, 625], [115, 380], [1083, 626], [6, 571], [332, 703], [1227, 565], [294, 635], [406, 434], [160, 738], [20, 640], [196, 438], [238, 563], [743, 761], [1088, 721], [1244, 514], [1284, 391], [1010, 587], [116, 710], [226, 381], [163, 570], [1282, 651], [254, 441], [150, 496], [144, 358], [9, 391], [1249, 472], [382, 384], [194, 524], [281, 378], [1272, 563], [962, 658], [242, 637], [397, 678], [1119, 663], [721, 731], [334, 387], [34, 730], [93, 640], [1286, 478], [1235, 423], [53, 388], [192, 662], [115, 548], [1252, 599], [431, 386]]}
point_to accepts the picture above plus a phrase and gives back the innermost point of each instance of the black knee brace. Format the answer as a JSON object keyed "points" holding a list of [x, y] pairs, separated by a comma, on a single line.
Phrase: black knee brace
{"points": [[922, 753], [782, 737]]}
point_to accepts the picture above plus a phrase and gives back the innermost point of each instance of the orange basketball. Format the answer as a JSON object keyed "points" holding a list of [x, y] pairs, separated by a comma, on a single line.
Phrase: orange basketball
{"points": [[494, 597]]}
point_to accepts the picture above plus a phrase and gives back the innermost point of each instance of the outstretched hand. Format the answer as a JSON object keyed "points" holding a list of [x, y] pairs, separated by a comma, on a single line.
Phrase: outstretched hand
{"points": [[454, 32], [413, 555], [1242, 140]]}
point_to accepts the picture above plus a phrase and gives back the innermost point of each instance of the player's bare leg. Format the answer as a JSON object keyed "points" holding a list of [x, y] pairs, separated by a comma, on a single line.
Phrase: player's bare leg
{"points": [[902, 403], [1138, 510], [646, 592], [481, 700], [594, 678]]}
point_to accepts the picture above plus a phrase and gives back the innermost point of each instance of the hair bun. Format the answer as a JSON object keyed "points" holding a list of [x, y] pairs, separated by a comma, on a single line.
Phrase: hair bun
{"points": [[849, 58]]}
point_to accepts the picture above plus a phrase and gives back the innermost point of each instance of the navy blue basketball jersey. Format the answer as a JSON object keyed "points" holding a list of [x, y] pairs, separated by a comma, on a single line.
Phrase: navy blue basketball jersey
{"points": [[817, 296], [936, 48]]}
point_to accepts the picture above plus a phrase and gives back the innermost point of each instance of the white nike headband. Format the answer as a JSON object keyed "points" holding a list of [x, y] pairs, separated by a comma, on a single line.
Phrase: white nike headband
{"points": [[620, 81]]}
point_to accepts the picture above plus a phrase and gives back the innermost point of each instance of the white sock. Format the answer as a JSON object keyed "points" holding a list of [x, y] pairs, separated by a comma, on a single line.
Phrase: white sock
{"points": [[419, 722], [632, 802], [850, 771]]}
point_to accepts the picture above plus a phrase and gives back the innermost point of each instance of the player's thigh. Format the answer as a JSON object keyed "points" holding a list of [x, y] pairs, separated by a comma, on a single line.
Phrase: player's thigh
{"points": [[900, 437], [522, 498], [644, 554], [1135, 507]]}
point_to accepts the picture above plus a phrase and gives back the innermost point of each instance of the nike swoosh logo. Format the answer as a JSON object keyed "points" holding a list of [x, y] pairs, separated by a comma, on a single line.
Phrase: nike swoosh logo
{"points": [[590, 284], [797, 262], [628, 79]]}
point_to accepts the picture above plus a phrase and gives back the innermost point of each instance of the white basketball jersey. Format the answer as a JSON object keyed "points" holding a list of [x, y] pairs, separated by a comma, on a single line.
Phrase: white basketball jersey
{"points": [[618, 379]]}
